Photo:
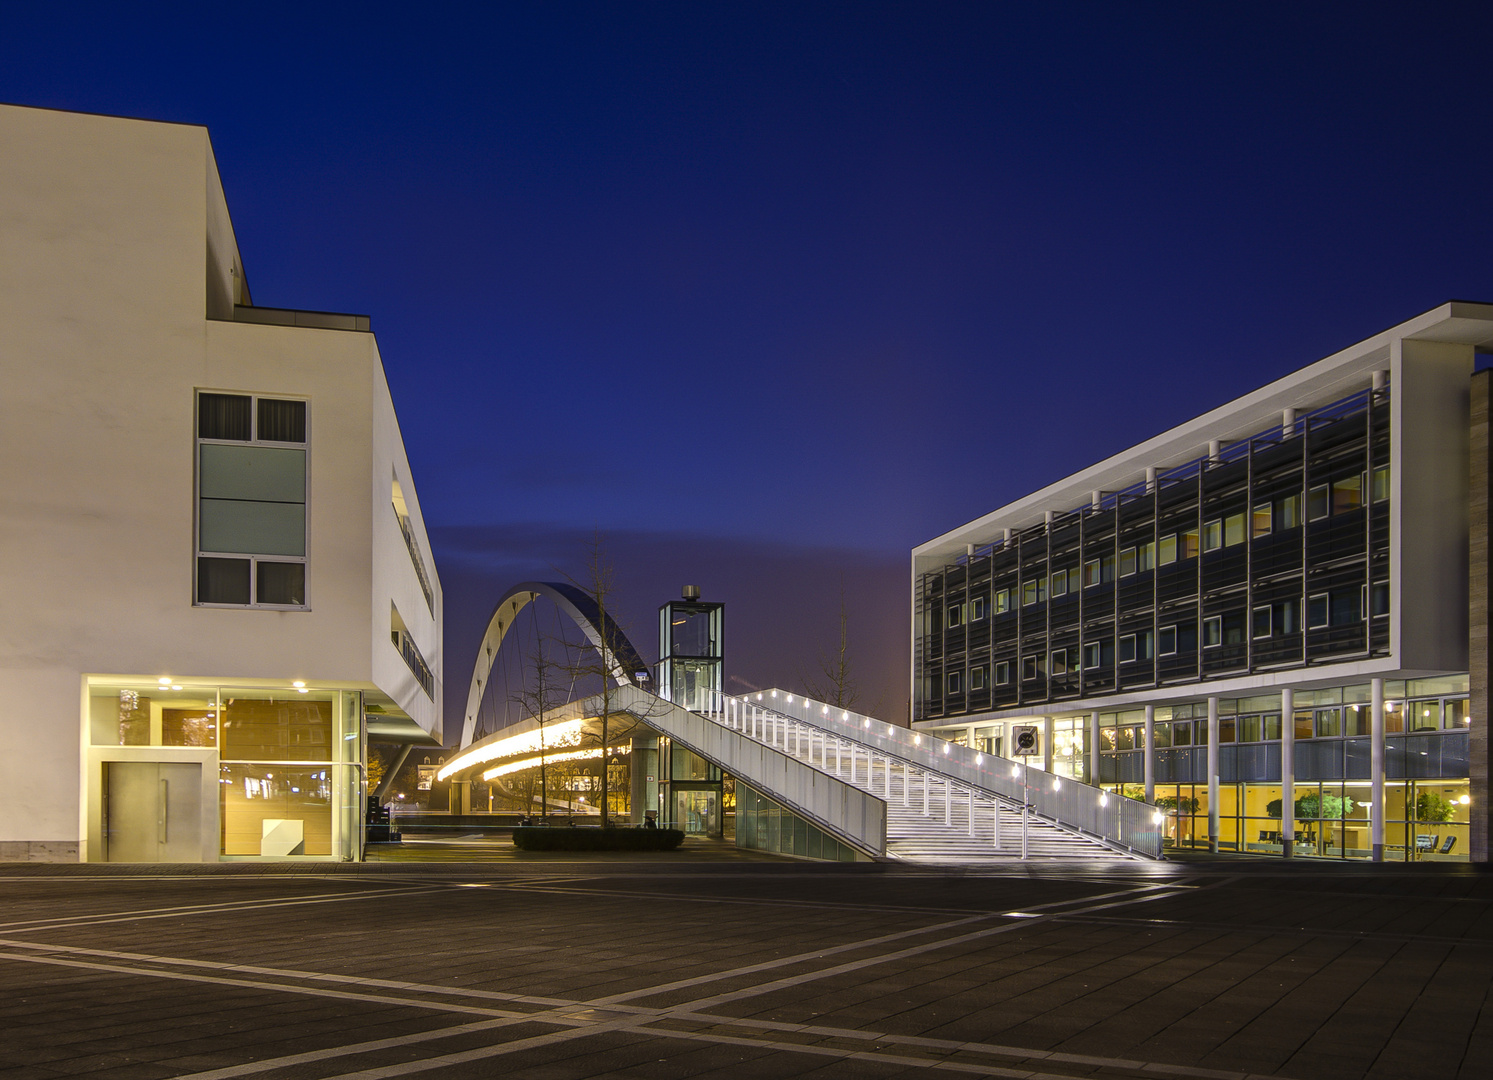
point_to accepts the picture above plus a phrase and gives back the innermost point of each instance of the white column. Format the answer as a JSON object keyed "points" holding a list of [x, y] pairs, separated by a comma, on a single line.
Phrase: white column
{"points": [[925, 792], [1094, 747], [1047, 744], [852, 763], [1149, 763], [971, 821], [1213, 774], [948, 802], [906, 786], [1288, 772], [1376, 763]]}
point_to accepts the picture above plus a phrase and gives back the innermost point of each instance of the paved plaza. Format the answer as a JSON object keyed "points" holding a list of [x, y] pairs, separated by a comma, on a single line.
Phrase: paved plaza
{"points": [[557, 967]]}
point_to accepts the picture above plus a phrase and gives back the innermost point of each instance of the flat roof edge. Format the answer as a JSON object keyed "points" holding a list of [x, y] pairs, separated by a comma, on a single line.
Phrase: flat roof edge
{"points": [[1314, 384]]}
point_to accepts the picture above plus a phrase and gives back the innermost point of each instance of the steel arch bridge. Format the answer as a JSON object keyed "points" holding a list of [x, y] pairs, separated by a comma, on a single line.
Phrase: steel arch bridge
{"points": [[622, 661]]}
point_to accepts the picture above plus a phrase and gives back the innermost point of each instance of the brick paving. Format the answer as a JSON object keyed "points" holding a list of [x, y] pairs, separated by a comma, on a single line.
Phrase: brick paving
{"points": [[713, 965]]}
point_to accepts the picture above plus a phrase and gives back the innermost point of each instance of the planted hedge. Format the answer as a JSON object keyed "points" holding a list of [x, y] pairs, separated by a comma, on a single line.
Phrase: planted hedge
{"points": [[567, 838]]}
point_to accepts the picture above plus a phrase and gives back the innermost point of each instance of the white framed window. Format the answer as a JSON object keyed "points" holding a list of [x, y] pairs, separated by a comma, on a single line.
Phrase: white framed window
{"points": [[1091, 573], [1002, 601], [1092, 655], [1145, 556], [1319, 502], [1002, 672], [1127, 562], [1059, 662], [1059, 584], [977, 678], [955, 682], [1381, 483], [1318, 611], [977, 608], [1167, 553], [1260, 626], [1261, 521], [1031, 668], [1127, 648], [1379, 599], [956, 615], [1213, 535], [252, 479], [1212, 632], [1168, 641], [1233, 530]]}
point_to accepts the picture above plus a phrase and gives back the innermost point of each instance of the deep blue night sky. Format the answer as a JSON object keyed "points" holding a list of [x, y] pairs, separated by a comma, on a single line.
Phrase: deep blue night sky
{"points": [[773, 292]]}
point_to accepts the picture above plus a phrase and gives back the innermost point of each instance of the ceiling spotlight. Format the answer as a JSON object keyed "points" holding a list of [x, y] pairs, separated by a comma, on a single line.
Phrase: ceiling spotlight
{"points": [[298, 683]]}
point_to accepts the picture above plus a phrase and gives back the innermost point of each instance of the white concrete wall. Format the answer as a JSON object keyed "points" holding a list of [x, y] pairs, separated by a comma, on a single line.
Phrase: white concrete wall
{"points": [[1430, 386], [394, 577], [114, 246]]}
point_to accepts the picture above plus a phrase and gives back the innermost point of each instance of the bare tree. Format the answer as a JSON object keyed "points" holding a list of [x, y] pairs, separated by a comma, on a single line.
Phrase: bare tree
{"points": [[835, 682], [603, 664], [537, 697]]}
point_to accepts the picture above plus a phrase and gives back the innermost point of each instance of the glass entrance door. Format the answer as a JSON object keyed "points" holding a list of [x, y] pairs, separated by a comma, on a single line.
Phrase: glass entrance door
{"points": [[698, 813]]}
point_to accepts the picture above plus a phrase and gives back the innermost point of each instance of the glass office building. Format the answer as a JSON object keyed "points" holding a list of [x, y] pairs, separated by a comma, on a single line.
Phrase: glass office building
{"points": [[1258, 620]]}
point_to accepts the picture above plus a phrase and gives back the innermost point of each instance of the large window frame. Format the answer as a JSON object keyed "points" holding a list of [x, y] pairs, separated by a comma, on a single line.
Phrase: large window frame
{"points": [[254, 560]]}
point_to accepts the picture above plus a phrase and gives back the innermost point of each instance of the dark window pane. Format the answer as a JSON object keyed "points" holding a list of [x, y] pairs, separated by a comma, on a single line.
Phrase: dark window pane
{"points": [[282, 421], [224, 416], [282, 583], [222, 581]]}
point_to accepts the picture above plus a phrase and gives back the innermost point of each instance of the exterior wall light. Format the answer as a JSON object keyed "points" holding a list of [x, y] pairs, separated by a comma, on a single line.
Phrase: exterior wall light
{"points": [[845, 715], [176, 686], [299, 683], [164, 680], [1104, 798], [1056, 783], [867, 723], [1015, 770], [1465, 800], [1158, 817], [979, 759], [917, 740]]}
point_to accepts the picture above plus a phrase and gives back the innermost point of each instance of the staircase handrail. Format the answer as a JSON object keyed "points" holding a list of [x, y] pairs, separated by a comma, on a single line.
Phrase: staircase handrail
{"points": [[849, 813], [1121, 823]]}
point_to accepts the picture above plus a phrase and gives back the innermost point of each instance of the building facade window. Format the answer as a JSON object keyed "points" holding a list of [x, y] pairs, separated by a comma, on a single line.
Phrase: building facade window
{"points": [[1212, 632], [251, 522], [1213, 535], [1003, 673], [1318, 610]]}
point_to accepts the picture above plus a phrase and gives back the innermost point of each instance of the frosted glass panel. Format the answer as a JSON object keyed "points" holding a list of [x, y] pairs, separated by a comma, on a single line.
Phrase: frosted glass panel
{"points": [[263, 473], [253, 528]]}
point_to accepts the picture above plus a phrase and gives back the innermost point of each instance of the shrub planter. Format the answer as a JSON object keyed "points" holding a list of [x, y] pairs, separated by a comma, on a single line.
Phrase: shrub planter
{"points": [[565, 838]]}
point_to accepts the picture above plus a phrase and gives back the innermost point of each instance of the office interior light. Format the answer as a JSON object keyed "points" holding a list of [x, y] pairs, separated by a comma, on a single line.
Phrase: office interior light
{"points": [[299, 683], [164, 680]]}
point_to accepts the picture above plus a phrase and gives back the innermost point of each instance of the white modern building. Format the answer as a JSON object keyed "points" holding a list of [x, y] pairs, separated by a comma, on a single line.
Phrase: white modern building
{"points": [[1270, 620], [217, 584]]}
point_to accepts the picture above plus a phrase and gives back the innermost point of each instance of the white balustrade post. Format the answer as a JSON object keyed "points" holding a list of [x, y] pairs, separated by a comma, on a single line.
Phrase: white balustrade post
{"points": [[906, 785], [948, 801], [852, 763], [971, 821], [925, 792], [995, 822]]}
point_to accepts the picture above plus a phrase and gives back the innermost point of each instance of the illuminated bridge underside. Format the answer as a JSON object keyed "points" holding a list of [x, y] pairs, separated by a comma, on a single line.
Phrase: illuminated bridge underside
{"points": [[623, 663]]}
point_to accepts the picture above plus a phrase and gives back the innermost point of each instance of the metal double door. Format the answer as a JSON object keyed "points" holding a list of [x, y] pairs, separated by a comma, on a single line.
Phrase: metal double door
{"points": [[155, 811]]}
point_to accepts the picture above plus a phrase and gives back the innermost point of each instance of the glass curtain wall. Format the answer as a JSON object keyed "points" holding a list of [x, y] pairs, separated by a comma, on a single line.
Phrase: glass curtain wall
{"points": [[289, 761], [1272, 554]]}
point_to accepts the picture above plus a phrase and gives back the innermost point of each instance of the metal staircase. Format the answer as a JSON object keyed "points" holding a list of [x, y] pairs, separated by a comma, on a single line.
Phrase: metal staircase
{"points": [[932, 814]]}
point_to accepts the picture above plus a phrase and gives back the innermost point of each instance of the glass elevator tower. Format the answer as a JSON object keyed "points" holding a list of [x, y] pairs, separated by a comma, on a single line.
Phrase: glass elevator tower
{"points": [[691, 652]]}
